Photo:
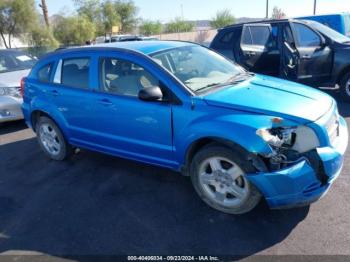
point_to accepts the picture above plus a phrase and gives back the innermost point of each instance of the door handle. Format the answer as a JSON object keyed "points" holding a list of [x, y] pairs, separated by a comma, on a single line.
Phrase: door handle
{"points": [[105, 102], [54, 92], [251, 53], [306, 56]]}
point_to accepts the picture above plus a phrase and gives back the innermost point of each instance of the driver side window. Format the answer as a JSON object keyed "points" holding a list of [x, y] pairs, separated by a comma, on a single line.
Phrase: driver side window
{"points": [[123, 77], [305, 36]]}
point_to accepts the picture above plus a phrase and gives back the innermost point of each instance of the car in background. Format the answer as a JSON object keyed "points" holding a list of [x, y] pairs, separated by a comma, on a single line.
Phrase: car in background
{"points": [[298, 50], [14, 65], [239, 136], [338, 22], [125, 38], [122, 38]]}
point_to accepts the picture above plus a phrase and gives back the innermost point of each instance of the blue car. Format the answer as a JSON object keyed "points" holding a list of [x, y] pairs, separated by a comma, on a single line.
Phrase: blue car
{"points": [[240, 136]]}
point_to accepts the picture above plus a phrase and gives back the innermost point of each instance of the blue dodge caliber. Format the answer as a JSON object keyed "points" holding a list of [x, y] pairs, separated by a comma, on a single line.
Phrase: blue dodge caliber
{"points": [[239, 136]]}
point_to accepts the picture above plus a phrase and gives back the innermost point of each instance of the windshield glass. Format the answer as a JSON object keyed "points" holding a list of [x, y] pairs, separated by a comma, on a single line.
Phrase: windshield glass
{"points": [[14, 61], [198, 67], [332, 34]]}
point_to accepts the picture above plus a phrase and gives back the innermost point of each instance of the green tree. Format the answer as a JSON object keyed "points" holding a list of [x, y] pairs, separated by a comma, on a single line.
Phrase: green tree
{"points": [[17, 17], [92, 10], [127, 11], [151, 28], [110, 17], [74, 30], [222, 19], [178, 25]]}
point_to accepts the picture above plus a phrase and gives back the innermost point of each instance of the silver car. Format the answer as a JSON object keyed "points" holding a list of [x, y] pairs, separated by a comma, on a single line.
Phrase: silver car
{"points": [[14, 65]]}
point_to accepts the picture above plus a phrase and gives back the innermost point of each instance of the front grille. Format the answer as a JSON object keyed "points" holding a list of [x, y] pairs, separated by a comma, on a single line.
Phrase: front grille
{"points": [[332, 127]]}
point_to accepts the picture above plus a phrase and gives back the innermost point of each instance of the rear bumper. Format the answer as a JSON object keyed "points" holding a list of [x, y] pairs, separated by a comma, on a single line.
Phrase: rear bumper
{"points": [[300, 184], [10, 109]]}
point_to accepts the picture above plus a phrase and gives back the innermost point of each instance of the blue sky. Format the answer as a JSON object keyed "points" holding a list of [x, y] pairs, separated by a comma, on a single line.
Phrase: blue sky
{"points": [[165, 10]]}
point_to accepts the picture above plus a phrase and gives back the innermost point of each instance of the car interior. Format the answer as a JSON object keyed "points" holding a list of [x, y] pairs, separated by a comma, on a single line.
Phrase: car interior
{"points": [[124, 78]]}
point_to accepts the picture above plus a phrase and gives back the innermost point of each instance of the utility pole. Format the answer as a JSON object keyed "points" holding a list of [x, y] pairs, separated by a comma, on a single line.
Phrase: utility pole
{"points": [[267, 9], [315, 4], [182, 11], [45, 12]]}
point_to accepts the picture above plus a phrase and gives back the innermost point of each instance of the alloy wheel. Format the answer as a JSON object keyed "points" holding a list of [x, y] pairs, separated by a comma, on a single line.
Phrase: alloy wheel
{"points": [[50, 139], [223, 182]]}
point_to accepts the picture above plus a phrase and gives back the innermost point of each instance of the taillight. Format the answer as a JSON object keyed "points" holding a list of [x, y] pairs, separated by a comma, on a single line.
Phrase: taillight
{"points": [[22, 86]]}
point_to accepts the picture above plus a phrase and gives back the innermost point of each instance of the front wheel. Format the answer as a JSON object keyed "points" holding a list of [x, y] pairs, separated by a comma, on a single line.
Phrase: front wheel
{"points": [[345, 87], [219, 176], [51, 139]]}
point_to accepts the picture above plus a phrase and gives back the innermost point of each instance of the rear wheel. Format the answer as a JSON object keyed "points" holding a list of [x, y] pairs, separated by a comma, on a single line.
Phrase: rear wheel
{"points": [[219, 176], [345, 87], [51, 139]]}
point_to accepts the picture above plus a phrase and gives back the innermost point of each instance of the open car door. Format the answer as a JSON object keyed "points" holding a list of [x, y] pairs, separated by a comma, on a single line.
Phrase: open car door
{"points": [[254, 47], [289, 55]]}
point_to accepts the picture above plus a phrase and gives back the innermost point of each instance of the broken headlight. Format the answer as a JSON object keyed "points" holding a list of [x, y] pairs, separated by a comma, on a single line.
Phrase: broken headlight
{"points": [[301, 139], [278, 137]]}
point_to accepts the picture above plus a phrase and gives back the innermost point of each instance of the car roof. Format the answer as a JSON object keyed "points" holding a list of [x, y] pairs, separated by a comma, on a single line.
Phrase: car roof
{"points": [[265, 21], [145, 47]]}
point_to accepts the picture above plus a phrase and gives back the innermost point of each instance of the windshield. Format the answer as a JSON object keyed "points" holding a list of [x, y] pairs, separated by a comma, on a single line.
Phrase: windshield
{"points": [[198, 67], [347, 25], [332, 34], [14, 61]]}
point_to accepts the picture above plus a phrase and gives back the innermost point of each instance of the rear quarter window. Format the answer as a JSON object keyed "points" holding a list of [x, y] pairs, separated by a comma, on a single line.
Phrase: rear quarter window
{"points": [[44, 73]]}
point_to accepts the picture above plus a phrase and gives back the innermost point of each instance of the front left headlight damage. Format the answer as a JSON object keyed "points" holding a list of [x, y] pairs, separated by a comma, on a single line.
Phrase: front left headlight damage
{"points": [[288, 144]]}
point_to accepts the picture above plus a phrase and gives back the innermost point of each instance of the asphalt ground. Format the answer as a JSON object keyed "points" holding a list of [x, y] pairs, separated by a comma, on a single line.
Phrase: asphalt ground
{"points": [[95, 204]]}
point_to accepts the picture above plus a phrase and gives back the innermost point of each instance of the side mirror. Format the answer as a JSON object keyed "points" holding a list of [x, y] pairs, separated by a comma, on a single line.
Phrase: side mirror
{"points": [[153, 93]]}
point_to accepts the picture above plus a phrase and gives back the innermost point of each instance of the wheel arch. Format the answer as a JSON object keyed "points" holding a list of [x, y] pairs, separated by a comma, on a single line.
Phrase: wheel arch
{"points": [[202, 142], [36, 114], [342, 73]]}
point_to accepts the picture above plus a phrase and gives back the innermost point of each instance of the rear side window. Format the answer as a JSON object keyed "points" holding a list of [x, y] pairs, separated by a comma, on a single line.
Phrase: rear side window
{"points": [[75, 72], [227, 38], [305, 36], [256, 35], [44, 73]]}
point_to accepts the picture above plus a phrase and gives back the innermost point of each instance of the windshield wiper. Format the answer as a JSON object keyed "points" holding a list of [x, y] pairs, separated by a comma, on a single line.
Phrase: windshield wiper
{"points": [[208, 86], [239, 78], [233, 80]]}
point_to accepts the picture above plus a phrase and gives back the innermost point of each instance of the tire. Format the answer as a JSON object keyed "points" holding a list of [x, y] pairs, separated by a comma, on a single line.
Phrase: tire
{"points": [[51, 139], [233, 166], [345, 87]]}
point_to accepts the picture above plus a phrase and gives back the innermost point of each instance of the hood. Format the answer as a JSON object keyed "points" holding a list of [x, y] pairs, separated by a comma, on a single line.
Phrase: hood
{"points": [[275, 97], [12, 79]]}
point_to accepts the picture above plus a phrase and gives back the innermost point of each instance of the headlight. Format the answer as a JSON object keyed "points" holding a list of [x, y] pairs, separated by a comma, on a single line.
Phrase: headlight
{"points": [[278, 137], [2, 91], [301, 139], [10, 91]]}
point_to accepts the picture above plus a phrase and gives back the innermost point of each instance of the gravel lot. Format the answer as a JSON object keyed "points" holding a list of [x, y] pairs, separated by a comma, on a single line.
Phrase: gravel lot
{"points": [[97, 204]]}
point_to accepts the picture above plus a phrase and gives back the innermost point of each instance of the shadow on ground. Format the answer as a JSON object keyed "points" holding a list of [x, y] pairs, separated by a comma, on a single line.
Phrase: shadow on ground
{"points": [[6, 128], [97, 204]]}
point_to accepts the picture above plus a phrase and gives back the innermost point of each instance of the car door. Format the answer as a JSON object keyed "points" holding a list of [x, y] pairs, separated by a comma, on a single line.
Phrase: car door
{"points": [[70, 93], [315, 56], [289, 54], [257, 51], [128, 126]]}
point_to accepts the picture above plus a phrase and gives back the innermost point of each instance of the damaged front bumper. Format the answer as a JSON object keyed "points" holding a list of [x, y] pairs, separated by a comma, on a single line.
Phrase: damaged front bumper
{"points": [[308, 179]]}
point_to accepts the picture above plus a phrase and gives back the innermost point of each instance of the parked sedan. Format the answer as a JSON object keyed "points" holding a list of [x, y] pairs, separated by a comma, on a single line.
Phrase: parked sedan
{"points": [[14, 65], [239, 136]]}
